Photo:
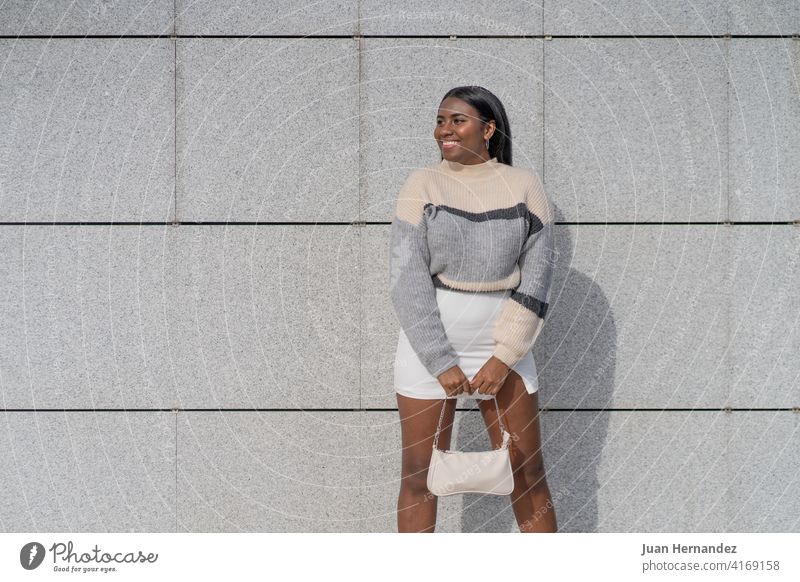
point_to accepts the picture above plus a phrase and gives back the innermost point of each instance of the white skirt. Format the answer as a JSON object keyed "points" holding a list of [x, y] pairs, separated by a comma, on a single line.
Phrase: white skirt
{"points": [[468, 318]]}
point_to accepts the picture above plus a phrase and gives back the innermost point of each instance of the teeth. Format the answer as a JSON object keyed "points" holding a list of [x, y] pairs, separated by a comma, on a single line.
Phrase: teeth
{"points": [[446, 141]]}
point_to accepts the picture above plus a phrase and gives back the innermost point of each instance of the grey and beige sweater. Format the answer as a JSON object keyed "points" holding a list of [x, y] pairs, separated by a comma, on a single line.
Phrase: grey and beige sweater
{"points": [[479, 228]]}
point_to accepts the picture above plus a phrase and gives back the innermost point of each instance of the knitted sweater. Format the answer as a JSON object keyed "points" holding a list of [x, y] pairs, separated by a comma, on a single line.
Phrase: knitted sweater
{"points": [[483, 227]]}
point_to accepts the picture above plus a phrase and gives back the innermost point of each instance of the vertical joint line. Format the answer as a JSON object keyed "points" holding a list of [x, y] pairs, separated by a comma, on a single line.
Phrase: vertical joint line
{"points": [[729, 71], [360, 232], [544, 88], [174, 117], [176, 469]]}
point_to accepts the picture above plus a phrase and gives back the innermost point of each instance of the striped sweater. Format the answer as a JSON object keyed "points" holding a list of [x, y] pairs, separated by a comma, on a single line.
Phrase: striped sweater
{"points": [[482, 227]]}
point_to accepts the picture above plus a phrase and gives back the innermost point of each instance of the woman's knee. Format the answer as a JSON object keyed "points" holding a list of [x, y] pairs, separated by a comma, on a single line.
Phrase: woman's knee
{"points": [[415, 476], [530, 468]]}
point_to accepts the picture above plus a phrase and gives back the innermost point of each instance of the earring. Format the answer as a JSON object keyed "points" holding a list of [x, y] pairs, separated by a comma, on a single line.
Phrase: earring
{"points": [[487, 144]]}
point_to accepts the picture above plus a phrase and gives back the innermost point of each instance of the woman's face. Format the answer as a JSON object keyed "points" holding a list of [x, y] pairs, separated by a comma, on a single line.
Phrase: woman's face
{"points": [[460, 133]]}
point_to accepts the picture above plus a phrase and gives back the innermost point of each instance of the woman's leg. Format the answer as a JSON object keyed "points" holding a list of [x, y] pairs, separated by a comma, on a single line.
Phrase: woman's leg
{"points": [[416, 506], [530, 498]]}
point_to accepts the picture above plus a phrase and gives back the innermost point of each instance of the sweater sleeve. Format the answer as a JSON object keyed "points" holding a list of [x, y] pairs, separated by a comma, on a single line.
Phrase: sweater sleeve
{"points": [[523, 313], [410, 282]]}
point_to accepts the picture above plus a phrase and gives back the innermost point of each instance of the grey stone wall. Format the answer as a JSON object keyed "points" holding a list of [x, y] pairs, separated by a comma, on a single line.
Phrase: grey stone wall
{"points": [[194, 210]]}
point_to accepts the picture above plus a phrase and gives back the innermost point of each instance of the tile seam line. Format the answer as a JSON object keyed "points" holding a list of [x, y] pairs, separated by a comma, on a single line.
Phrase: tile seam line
{"points": [[360, 209], [795, 410], [175, 207], [384, 223], [174, 39], [391, 36]]}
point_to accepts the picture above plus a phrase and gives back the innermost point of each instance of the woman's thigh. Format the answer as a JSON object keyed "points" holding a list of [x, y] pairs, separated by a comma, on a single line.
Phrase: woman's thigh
{"points": [[418, 421], [520, 415]]}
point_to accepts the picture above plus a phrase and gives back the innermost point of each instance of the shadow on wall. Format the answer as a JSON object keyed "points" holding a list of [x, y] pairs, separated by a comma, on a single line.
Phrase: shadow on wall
{"points": [[572, 362]]}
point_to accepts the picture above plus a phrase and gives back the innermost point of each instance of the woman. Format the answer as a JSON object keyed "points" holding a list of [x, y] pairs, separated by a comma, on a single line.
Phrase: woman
{"points": [[471, 265]]}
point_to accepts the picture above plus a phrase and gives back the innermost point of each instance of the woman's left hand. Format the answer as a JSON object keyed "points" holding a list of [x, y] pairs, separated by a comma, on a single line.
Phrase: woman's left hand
{"points": [[490, 378]]}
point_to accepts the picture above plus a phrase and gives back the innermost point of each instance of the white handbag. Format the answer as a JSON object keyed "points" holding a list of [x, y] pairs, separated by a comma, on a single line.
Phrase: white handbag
{"points": [[452, 472]]}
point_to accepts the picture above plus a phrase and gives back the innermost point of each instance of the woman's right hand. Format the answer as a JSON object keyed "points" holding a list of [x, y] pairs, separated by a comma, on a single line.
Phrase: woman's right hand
{"points": [[454, 382]]}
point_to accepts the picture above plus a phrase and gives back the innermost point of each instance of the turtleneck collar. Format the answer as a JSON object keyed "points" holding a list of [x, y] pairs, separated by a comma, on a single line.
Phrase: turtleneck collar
{"points": [[470, 169]]}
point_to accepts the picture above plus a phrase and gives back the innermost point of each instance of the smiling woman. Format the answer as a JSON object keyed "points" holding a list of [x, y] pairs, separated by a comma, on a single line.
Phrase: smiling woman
{"points": [[463, 134], [470, 270]]}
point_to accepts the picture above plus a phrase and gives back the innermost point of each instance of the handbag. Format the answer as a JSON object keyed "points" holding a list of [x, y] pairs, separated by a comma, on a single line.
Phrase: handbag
{"points": [[452, 472]]}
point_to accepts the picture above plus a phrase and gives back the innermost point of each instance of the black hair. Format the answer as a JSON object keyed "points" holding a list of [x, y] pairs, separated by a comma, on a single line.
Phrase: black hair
{"points": [[489, 108]]}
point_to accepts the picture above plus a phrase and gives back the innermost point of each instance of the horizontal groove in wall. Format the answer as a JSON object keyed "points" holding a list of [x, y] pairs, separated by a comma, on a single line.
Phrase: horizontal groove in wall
{"points": [[374, 223], [622, 409], [440, 36]]}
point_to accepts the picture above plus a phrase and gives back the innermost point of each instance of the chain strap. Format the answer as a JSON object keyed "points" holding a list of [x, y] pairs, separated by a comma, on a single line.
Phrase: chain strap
{"points": [[441, 416]]}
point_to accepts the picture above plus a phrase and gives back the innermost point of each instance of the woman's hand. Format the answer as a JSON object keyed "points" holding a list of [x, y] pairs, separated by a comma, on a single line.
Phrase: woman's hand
{"points": [[454, 381], [491, 377]]}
